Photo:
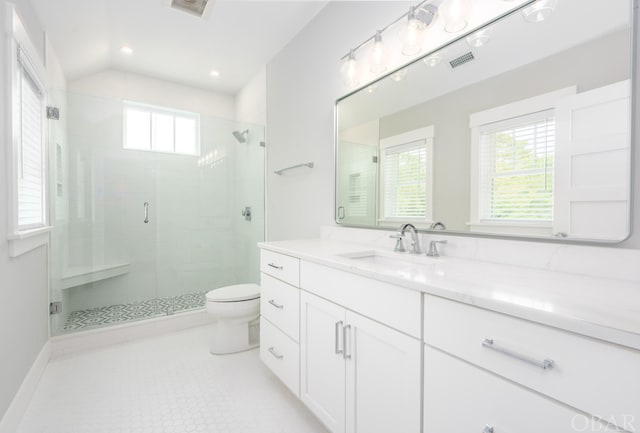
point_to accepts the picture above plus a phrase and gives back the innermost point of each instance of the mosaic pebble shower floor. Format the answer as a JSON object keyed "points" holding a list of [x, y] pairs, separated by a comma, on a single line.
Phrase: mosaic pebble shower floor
{"points": [[122, 313]]}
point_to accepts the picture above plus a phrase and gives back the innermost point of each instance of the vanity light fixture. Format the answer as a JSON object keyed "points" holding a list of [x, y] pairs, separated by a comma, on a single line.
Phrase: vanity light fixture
{"points": [[349, 70], [373, 87], [411, 34], [454, 13], [434, 59], [379, 57], [399, 75], [539, 11], [418, 19], [479, 38], [126, 49]]}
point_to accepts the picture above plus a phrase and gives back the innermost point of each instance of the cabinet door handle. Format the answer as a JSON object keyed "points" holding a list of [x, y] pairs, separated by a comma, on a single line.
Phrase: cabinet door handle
{"points": [[275, 353], [274, 266], [278, 306], [345, 332], [337, 337], [545, 364]]}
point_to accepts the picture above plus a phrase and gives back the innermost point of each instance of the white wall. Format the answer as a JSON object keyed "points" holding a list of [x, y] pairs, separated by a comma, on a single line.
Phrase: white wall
{"points": [[23, 280], [303, 83], [114, 84], [251, 100]]}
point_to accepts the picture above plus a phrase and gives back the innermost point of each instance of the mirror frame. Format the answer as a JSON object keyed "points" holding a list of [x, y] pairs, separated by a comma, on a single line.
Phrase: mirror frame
{"points": [[633, 57]]}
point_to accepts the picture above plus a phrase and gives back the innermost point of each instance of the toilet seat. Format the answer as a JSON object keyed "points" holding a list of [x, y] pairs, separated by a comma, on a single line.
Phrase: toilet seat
{"points": [[236, 293]]}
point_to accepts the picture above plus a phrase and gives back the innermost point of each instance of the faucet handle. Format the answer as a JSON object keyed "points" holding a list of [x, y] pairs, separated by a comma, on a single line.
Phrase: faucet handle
{"points": [[433, 248], [399, 243]]}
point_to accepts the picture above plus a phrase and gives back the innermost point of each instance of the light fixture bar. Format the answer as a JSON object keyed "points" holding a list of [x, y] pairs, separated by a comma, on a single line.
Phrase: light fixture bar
{"points": [[382, 30]]}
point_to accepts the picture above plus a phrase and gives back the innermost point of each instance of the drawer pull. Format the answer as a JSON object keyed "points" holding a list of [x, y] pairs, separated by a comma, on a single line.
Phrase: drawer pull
{"points": [[274, 266], [278, 306], [275, 354], [545, 364], [345, 333], [337, 344], [487, 429]]}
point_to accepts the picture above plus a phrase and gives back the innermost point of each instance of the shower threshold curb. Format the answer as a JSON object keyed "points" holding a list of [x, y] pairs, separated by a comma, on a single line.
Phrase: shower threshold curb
{"points": [[96, 338]]}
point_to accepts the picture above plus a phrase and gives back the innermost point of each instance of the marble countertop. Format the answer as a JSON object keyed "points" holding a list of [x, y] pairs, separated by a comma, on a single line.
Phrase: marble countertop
{"points": [[602, 308]]}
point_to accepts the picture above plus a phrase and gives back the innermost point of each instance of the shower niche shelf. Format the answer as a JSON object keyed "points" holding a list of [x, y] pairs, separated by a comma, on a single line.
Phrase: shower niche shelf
{"points": [[79, 275]]}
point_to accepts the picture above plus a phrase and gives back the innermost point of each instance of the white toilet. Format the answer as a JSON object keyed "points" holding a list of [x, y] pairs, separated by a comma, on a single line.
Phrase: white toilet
{"points": [[236, 310]]}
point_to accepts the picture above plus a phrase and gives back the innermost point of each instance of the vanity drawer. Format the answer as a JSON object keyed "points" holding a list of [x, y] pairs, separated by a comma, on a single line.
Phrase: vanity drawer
{"points": [[394, 306], [281, 354], [280, 303], [591, 375], [468, 399], [283, 267]]}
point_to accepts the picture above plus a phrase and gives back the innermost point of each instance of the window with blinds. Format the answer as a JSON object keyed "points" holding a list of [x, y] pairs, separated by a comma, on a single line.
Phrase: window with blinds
{"points": [[404, 181], [31, 153], [516, 169], [161, 129]]}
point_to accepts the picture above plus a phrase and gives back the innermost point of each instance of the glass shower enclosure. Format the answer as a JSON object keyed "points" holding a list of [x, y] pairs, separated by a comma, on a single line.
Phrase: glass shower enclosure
{"points": [[145, 232]]}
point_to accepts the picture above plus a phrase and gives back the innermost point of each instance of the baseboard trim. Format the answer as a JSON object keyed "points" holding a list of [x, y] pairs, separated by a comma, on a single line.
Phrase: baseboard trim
{"points": [[96, 338], [12, 418]]}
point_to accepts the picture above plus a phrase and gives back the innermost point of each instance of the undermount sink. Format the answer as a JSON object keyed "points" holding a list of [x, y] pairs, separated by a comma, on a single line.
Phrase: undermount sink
{"points": [[390, 259]]}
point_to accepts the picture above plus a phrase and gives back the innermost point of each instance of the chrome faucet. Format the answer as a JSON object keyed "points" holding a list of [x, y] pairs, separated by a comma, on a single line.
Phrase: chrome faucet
{"points": [[399, 248], [433, 248], [415, 241], [437, 226]]}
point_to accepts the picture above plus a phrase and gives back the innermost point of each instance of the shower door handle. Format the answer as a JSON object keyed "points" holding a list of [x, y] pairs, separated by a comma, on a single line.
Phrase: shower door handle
{"points": [[146, 212]]}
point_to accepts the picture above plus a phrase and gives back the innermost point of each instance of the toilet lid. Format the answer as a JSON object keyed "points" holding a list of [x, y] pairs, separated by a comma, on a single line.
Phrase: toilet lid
{"points": [[239, 292]]}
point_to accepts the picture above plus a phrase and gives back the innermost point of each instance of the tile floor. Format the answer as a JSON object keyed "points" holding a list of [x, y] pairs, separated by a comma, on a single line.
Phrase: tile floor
{"points": [[112, 314], [165, 384]]}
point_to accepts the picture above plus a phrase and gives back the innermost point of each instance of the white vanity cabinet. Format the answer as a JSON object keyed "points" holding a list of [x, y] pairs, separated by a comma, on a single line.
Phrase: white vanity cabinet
{"points": [[558, 381], [279, 321], [360, 363], [357, 375]]}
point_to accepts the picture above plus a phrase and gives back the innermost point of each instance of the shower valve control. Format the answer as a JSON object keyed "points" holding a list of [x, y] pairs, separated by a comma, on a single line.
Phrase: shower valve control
{"points": [[246, 213]]}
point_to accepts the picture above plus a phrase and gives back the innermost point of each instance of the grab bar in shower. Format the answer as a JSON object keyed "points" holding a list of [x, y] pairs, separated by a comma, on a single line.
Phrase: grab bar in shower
{"points": [[282, 170], [146, 212]]}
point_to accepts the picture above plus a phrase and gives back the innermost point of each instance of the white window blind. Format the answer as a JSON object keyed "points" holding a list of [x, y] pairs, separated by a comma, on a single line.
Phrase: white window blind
{"points": [[160, 129], [404, 179], [31, 169], [516, 168]]}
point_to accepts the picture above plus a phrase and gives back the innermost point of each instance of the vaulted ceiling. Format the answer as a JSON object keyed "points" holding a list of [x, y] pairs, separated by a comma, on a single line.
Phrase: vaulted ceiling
{"points": [[234, 38]]}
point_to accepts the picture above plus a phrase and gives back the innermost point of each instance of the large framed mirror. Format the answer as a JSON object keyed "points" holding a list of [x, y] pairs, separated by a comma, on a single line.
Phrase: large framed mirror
{"points": [[527, 134]]}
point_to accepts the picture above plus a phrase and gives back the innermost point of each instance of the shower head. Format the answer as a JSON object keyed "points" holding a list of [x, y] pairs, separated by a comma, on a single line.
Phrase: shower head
{"points": [[241, 136]]}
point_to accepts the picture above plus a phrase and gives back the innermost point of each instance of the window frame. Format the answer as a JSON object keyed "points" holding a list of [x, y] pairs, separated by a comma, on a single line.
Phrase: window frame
{"points": [[156, 109], [21, 55], [426, 134], [504, 113]]}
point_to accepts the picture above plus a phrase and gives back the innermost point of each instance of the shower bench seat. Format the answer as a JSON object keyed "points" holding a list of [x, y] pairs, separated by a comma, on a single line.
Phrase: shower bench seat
{"points": [[79, 275]]}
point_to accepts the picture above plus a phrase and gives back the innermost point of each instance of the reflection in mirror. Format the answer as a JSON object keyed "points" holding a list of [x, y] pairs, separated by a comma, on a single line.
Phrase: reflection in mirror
{"points": [[519, 129]]}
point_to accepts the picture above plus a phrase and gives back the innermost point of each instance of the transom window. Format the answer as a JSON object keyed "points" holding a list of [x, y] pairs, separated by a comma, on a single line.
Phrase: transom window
{"points": [[159, 129]]}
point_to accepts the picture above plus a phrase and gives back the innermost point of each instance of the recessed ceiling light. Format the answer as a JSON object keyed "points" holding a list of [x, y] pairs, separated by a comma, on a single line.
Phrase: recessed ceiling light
{"points": [[214, 73], [125, 49]]}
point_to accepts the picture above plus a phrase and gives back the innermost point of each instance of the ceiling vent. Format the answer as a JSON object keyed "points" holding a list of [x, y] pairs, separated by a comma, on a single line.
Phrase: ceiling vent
{"points": [[193, 7], [461, 60]]}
